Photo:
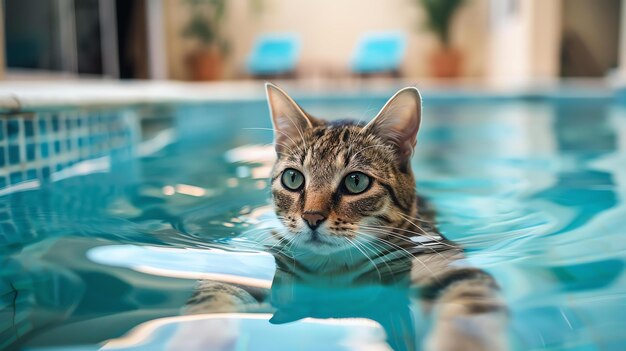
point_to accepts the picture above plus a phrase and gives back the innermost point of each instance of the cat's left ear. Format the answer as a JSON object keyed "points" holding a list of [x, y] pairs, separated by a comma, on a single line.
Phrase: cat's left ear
{"points": [[289, 119], [398, 123]]}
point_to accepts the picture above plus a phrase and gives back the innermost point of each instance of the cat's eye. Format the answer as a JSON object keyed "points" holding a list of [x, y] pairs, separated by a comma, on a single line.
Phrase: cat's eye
{"points": [[356, 182], [292, 179]]}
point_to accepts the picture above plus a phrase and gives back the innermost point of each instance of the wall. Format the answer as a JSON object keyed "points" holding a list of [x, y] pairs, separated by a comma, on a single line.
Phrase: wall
{"points": [[524, 41], [2, 53], [329, 31]]}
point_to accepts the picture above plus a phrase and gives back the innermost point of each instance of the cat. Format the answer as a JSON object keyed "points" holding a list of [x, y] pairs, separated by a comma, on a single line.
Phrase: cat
{"points": [[344, 192]]}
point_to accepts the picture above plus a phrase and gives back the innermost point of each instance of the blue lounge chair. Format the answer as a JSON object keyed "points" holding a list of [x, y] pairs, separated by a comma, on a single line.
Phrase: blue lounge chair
{"points": [[274, 55], [379, 52]]}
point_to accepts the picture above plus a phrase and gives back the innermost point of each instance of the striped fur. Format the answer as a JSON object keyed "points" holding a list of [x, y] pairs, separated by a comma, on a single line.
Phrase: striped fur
{"points": [[388, 223], [384, 235]]}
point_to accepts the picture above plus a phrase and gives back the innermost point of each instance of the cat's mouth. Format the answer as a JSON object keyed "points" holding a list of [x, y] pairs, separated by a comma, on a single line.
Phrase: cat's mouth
{"points": [[315, 239]]}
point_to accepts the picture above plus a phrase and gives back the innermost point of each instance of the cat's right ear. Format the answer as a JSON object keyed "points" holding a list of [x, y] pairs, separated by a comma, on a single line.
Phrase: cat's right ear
{"points": [[398, 123], [289, 120]]}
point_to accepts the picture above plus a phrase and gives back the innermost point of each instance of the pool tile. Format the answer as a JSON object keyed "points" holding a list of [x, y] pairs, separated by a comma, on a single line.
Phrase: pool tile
{"points": [[30, 152], [30, 140], [43, 125], [45, 172], [44, 150], [16, 177], [29, 128], [55, 122], [13, 129], [31, 174], [14, 154]]}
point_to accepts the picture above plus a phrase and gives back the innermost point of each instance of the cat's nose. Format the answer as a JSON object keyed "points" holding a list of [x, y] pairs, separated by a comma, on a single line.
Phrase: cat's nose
{"points": [[313, 218]]}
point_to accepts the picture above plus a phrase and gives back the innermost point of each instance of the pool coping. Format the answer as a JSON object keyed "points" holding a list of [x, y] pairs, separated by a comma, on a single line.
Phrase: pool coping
{"points": [[33, 96]]}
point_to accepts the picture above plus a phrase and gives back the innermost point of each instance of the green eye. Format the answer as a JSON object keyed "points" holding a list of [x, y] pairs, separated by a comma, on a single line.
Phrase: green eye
{"points": [[356, 182], [292, 179]]}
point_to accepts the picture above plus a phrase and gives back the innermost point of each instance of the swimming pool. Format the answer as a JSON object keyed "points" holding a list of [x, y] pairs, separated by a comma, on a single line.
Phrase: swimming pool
{"points": [[534, 188]]}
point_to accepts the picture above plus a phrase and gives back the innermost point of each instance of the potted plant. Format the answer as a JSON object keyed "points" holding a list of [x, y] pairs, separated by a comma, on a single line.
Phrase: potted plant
{"points": [[446, 61], [207, 60]]}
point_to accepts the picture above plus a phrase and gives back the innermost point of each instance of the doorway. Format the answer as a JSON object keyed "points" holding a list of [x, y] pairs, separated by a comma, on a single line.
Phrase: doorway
{"points": [[590, 37]]}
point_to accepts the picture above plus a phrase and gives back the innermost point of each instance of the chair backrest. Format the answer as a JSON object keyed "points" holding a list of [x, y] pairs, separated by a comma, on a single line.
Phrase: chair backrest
{"points": [[276, 53], [379, 52]]}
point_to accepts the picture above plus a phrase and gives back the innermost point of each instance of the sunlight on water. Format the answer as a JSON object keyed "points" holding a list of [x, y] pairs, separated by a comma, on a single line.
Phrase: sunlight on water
{"points": [[534, 191]]}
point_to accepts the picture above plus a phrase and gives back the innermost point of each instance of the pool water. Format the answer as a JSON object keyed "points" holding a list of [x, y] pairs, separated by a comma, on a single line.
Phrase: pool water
{"points": [[107, 255]]}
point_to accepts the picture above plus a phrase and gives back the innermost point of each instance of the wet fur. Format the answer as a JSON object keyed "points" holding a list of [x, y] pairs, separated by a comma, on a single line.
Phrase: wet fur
{"points": [[463, 302]]}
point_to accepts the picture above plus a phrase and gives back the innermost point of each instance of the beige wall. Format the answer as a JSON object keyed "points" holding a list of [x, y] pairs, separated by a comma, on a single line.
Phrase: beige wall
{"points": [[329, 30], [524, 41], [622, 41]]}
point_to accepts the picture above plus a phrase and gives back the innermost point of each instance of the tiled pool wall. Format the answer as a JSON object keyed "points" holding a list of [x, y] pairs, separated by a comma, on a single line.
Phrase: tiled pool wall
{"points": [[34, 145]]}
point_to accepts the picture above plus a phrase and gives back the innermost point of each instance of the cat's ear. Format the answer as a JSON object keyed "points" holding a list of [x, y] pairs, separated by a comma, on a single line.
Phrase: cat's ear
{"points": [[289, 120], [398, 123]]}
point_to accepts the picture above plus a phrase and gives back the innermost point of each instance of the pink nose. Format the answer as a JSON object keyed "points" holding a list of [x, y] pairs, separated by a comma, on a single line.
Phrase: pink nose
{"points": [[313, 218]]}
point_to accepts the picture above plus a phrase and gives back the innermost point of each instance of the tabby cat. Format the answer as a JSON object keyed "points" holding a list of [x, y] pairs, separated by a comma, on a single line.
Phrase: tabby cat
{"points": [[345, 194]]}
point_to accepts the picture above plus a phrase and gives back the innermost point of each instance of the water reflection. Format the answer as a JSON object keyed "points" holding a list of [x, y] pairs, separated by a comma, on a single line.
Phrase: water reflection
{"points": [[251, 332], [290, 301], [247, 268], [388, 305], [535, 190]]}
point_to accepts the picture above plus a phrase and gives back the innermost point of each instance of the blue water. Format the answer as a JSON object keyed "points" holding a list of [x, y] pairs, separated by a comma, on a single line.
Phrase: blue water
{"points": [[534, 190]]}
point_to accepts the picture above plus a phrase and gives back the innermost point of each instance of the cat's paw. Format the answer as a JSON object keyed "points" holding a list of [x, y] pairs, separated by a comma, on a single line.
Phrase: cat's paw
{"points": [[463, 332], [218, 297]]}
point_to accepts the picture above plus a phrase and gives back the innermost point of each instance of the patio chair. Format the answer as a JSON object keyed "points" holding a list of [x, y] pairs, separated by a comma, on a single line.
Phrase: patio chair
{"points": [[379, 52], [274, 55]]}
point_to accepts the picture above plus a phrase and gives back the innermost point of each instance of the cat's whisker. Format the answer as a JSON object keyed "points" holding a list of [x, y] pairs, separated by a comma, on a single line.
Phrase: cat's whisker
{"points": [[393, 244], [408, 241], [285, 146], [278, 246], [412, 223], [414, 257], [420, 234], [432, 274], [393, 229], [282, 133], [298, 129], [425, 233], [404, 239], [366, 256], [417, 219], [387, 243], [285, 245], [377, 252], [412, 219]]}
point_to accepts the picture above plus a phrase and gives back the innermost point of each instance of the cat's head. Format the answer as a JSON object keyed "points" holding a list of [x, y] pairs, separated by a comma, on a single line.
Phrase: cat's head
{"points": [[336, 184]]}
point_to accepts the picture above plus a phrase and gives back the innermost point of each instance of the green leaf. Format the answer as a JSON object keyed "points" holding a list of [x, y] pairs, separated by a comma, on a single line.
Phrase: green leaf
{"points": [[439, 15]]}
